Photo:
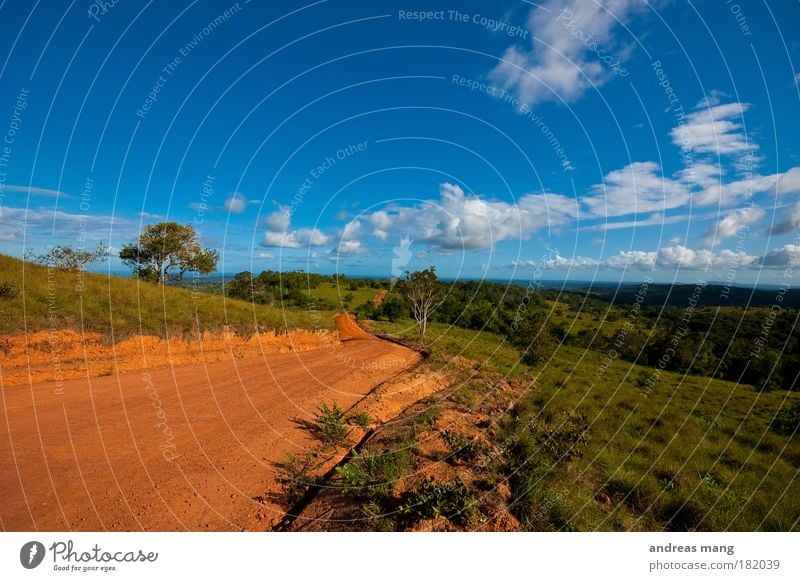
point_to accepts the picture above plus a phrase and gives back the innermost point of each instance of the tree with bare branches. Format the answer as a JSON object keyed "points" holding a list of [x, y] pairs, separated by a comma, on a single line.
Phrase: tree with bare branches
{"points": [[422, 291]]}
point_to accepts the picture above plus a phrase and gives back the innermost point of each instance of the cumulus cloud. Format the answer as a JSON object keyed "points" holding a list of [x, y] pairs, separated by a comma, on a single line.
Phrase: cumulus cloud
{"points": [[788, 255], [236, 203], [635, 259], [350, 240], [738, 191], [563, 61], [457, 221], [789, 222], [279, 234], [733, 224], [559, 261], [677, 256], [638, 187], [303, 237], [716, 130], [278, 221]]}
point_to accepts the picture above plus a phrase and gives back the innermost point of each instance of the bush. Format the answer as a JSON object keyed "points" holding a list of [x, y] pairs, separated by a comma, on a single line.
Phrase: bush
{"points": [[462, 448], [360, 419], [452, 500], [7, 290], [787, 421], [295, 476], [330, 425], [371, 476], [646, 379], [563, 442]]}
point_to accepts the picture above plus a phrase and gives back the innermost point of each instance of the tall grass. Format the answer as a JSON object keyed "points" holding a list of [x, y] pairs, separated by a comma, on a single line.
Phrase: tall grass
{"points": [[45, 298]]}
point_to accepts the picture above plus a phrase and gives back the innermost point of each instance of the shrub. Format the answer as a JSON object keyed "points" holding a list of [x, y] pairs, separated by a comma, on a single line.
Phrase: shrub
{"points": [[371, 476], [7, 290], [295, 476], [787, 421], [359, 419], [452, 500], [646, 379], [563, 442], [462, 448], [330, 425]]}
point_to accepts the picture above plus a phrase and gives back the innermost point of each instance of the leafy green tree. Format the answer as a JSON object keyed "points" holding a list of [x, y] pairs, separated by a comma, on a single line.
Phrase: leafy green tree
{"points": [[70, 258], [533, 339], [393, 309], [166, 251], [422, 291], [246, 287]]}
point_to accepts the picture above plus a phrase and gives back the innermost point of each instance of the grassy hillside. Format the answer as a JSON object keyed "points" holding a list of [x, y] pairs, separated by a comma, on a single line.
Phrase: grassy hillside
{"points": [[595, 448], [38, 298]]}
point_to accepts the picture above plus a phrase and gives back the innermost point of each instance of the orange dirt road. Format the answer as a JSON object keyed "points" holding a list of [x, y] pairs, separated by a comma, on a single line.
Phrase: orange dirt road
{"points": [[184, 448]]}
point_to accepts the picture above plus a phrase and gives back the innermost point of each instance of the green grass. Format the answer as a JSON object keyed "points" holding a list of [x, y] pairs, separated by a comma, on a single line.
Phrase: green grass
{"points": [[689, 453], [334, 295], [682, 453], [45, 299], [448, 341]]}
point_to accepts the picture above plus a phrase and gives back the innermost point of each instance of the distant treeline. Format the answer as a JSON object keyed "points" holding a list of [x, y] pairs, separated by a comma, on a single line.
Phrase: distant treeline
{"points": [[714, 295], [678, 328]]}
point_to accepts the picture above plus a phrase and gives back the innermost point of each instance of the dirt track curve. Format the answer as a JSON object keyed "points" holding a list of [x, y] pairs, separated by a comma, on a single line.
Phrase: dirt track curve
{"points": [[186, 448]]}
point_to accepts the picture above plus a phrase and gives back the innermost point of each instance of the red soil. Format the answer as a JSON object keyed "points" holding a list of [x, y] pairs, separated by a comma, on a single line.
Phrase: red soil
{"points": [[180, 448], [63, 354]]}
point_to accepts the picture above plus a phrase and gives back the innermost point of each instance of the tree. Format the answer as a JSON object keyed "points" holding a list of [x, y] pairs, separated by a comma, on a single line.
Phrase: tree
{"points": [[246, 287], [422, 291], [533, 339], [69, 258], [166, 251], [393, 309]]}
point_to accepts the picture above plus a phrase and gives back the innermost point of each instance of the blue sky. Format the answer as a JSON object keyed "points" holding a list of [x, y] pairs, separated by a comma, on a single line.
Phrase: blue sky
{"points": [[560, 140]]}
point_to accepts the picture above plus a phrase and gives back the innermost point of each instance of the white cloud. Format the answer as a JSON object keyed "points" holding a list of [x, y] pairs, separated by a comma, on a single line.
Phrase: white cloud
{"points": [[304, 237], [731, 193], [788, 255], [457, 221], [573, 262], [704, 175], [559, 64], [278, 221], [732, 224], [263, 256], [790, 221], [636, 259], [34, 191], [350, 240], [236, 203], [348, 247], [678, 256], [638, 187], [714, 130], [9, 234]]}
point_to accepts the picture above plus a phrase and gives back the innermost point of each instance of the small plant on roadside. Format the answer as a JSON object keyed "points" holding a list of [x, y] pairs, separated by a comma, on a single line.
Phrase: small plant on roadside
{"points": [[295, 475], [359, 419], [330, 425], [462, 448], [452, 500], [371, 476]]}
